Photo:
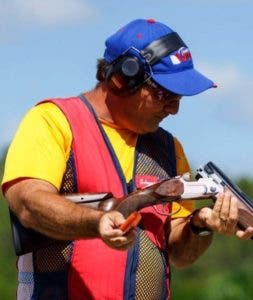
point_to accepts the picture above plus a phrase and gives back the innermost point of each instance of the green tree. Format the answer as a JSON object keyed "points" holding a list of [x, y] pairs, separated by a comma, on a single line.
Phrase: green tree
{"points": [[224, 272], [7, 255]]}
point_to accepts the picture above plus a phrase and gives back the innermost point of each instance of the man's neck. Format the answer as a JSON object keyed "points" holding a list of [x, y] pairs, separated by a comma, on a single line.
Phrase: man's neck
{"points": [[97, 98]]}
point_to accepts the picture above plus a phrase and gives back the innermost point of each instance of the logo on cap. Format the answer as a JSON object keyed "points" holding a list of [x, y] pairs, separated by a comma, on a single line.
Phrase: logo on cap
{"points": [[182, 55]]}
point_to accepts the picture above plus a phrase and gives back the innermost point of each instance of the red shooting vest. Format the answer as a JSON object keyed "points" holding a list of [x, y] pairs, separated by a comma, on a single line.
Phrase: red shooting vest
{"points": [[97, 271]]}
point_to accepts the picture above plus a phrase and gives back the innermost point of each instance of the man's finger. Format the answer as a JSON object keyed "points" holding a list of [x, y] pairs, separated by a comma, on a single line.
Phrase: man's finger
{"points": [[225, 207], [218, 205]]}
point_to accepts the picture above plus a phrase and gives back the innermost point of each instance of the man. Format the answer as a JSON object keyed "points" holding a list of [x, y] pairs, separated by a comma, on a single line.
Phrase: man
{"points": [[109, 140]]}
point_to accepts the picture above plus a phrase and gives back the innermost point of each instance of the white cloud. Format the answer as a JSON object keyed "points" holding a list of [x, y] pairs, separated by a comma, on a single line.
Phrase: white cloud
{"points": [[45, 12], [20, 16], [53, 11]]}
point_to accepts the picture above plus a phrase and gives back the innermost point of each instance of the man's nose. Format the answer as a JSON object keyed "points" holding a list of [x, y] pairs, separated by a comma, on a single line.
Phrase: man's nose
{"points": [[171, 107]]}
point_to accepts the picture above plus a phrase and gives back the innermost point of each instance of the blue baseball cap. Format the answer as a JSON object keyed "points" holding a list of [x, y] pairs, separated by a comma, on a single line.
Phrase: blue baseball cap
{"points": [[174, 72]]}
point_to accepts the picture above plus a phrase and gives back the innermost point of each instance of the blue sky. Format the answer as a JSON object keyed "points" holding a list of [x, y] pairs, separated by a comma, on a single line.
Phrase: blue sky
{"points": [[49, 48]]}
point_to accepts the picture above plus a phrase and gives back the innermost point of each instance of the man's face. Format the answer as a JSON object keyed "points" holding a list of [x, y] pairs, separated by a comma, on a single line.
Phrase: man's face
{"points": [[143, 111]]}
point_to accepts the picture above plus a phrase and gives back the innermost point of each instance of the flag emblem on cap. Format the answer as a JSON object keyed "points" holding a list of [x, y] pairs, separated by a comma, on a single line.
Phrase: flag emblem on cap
{"points": [[183, 54]]}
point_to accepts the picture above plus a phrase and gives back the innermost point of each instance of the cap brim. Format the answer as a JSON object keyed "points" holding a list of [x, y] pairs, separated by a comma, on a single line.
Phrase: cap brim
{"points": [[187, 83]]}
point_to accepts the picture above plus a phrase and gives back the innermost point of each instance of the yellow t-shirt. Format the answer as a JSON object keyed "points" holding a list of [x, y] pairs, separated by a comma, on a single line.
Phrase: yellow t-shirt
{"points": [[41, 147]]}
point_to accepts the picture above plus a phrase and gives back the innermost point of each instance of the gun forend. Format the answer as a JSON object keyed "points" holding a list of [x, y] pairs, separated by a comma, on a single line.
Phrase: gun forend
{"points": [[245, 205]]}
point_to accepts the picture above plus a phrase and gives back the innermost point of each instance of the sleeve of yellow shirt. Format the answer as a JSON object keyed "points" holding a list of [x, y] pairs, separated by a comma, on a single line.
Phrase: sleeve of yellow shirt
{"points": [[40, 147], [184, 208]]}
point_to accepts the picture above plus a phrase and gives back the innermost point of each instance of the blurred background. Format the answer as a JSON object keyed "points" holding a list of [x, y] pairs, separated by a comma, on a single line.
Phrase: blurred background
{"points": [[49, 48]]}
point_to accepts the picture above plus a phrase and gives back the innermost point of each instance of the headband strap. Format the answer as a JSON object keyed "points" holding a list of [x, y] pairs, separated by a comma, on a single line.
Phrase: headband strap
{"points": [[162, 47]]}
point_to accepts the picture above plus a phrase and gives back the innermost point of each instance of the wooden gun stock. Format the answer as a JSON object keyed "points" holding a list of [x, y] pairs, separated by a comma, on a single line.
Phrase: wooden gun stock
{"points": [[27, 240], [207, 186], [245, 215]]}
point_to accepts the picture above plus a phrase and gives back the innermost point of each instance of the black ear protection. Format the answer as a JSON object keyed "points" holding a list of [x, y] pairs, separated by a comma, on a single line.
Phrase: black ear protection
{"points": [[128, 72]]}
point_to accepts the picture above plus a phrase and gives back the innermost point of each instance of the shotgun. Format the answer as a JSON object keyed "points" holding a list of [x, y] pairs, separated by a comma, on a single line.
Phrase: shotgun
{"points": [[210, 181]]}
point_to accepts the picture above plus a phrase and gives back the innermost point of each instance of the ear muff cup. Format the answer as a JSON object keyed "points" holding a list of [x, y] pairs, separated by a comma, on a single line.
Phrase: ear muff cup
{"points": [[125, 74]]}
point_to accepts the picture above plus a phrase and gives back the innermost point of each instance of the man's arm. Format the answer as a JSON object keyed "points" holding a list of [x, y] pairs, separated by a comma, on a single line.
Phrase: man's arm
{"points": [[184, 245], [38, 206]]}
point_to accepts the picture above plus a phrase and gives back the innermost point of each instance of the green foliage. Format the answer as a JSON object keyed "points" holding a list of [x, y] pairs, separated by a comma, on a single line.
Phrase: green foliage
{"points": [[246, 185], [7, 256], [224, 272]]}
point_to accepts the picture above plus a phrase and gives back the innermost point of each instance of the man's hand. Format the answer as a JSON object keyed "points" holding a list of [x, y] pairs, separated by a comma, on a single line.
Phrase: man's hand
{"points": [[223, 218], [112, 235]]}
